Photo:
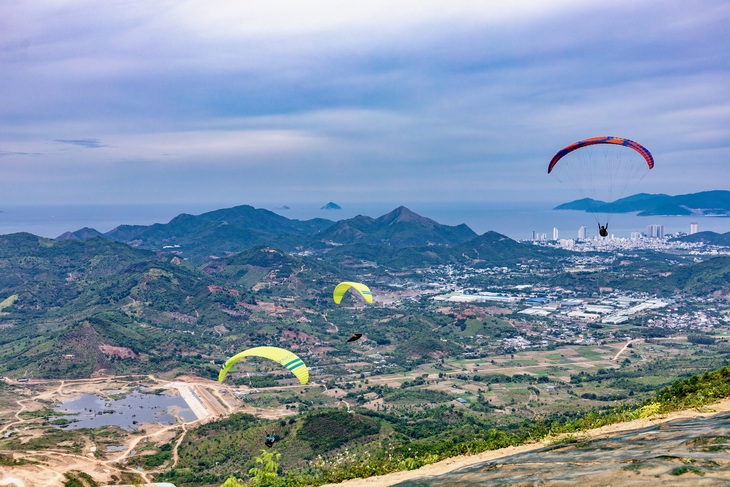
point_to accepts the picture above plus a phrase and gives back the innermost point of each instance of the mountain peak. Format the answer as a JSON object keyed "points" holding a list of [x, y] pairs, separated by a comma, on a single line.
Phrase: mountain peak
{"points": [[403, 214], [81, 234], [331, 206]]}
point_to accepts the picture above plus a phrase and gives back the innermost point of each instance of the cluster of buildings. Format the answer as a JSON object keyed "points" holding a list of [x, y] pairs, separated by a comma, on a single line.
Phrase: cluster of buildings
{"points": [[637, 241], [652, 231], [700, 321], [613, 310]]}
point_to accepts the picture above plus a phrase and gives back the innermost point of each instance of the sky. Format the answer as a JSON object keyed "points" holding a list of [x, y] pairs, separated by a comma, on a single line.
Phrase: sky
{"points": [[295, 103]]}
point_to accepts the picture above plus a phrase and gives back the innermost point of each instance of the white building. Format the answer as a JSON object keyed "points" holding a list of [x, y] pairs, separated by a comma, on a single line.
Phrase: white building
{"points": [[582, 316], [693, 228], [566, 243], [655, 231], [582, 233], [555, 233]]}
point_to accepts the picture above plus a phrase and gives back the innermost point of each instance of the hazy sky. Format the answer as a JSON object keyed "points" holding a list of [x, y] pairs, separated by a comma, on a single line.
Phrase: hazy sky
{"points": [[289, 102]]}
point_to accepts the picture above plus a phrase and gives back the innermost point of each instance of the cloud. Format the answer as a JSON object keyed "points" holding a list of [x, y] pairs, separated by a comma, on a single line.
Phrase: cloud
{"points": [[370, 100], [6, 153], [86, 143]]}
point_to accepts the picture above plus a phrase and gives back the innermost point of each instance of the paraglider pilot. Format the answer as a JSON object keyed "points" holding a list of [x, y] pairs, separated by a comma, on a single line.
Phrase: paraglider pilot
{"points": [[603, 230], [269, 441]]}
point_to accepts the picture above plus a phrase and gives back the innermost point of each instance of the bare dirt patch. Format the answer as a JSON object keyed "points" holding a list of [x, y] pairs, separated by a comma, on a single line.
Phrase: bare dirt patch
{"points": [[78, 451]]}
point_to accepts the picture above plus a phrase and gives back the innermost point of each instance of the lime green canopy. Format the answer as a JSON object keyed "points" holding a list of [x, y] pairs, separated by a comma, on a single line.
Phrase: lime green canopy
{"points": [[342, 288], [286, 358]]}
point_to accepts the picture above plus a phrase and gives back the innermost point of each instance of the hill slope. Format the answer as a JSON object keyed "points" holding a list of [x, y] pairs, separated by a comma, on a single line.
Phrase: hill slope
{"points": [[399, 228]]}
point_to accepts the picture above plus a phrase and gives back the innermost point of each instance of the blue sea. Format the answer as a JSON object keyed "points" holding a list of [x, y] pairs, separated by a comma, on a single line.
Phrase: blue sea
{"points": [[515, 219]]}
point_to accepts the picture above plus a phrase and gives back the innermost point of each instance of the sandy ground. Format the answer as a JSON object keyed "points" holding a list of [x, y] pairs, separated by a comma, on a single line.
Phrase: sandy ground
{"points": [[455, 463], [207, 399], [213, 400]]}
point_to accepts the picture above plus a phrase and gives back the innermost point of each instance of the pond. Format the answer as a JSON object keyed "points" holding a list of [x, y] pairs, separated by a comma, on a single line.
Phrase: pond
{"points": [[127, 412]]}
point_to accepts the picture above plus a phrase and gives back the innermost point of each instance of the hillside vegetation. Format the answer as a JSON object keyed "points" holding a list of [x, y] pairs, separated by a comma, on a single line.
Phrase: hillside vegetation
{"points": [[332, 446]]}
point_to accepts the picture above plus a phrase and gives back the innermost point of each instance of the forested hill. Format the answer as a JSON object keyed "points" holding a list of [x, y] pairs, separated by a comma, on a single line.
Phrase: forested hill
{"points": [[710, 238], [400, 238], [706, 203]]}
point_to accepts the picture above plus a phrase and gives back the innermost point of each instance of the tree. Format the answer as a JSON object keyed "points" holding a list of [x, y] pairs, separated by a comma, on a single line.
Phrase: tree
{"points": [[261, 476], [232, 482]]}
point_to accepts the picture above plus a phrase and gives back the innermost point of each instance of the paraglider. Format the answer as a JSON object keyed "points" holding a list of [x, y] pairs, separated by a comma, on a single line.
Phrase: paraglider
{"points": [[286, 358], [364, 291], [343, 287], [601, 169], [643, 151]]}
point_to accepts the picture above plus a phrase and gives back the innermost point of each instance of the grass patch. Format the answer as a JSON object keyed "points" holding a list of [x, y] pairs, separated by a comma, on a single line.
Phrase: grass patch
{"points": [[677, 471], [589, 353], [7, 302]]}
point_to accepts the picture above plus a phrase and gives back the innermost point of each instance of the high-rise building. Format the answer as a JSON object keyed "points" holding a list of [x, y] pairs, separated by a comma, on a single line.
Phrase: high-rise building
{"points": [[582, 233], [635, 235], [693, 228], [534, 235], [555, 233], [655, 231]]}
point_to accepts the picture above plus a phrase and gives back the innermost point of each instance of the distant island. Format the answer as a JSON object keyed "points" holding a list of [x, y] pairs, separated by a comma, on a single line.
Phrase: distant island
{"points": [[705, 203], [331, 206]]}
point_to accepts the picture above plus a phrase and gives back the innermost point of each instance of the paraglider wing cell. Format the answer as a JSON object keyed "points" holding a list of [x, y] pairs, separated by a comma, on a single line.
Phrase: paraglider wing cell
{"points": [[343, 287], [286, 358], [603, 140]]}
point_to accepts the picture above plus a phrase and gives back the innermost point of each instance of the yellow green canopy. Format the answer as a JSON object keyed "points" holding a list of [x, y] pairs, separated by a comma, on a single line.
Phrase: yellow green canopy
{"points": [[343, 287], [286, 358]]}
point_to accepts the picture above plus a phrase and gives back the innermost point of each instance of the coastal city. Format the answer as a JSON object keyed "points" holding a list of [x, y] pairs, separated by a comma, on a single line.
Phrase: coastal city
{"points": [[653, 239], [545, 315]]}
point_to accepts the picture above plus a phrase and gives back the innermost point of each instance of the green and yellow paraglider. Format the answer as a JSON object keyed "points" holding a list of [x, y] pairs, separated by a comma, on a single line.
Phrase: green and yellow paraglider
{"points": [[364, 291], [343, 287], [286, 358]]}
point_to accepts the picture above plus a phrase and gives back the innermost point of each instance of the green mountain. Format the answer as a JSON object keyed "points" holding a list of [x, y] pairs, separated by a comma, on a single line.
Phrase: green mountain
{"points": [[81, 234], [706, 203], [485, 250], [47, 273], [711, 276], [80, 306], [492, 248], [399, 228], [225, 232], [709, 238], [295, 277], [220, 232]]}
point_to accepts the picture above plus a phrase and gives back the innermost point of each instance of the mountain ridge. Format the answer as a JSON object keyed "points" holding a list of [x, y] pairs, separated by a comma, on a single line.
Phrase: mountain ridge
{"points": [[704, 203], [231, 230]]}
